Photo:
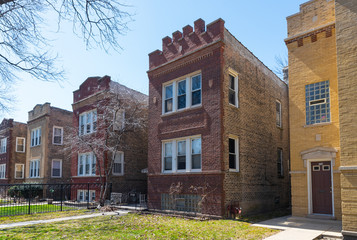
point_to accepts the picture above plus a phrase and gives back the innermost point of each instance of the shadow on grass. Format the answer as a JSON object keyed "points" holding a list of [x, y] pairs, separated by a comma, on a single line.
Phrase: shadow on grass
{"points": [[265, 216]]}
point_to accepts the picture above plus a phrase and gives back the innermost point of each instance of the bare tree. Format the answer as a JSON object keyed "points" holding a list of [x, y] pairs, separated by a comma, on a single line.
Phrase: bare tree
{"points": [[24, 47], [120, 112], [281, 62]]}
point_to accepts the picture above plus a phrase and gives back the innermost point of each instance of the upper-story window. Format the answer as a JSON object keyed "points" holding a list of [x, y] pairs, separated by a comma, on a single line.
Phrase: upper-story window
{"points": [[182, 155], [3, 145], [57, 135], [88, 122], [20, 144], [86, 164], [233, 89], [181, 94], [278, 113], [35, 137], [317, 96]]}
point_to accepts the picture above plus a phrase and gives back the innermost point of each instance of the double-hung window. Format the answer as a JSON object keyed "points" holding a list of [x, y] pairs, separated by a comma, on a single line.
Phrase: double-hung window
{"points": [[233, 147], [278, 113], [118, 165], [19, 171], [233, 89], [34, 168], [36, 137], [317, 96], [57, 136], [56, 168], [20, 144], [182, 154], [87, 122], [2, 171], [86, 164], [3, 145], [119, 120], [280, 162], [183, 93]]}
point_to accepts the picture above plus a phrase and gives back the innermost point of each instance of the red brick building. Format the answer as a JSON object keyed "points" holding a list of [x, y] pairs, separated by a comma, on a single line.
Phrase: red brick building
{"points": [[93, 104], [218, 125], [12, 151]]}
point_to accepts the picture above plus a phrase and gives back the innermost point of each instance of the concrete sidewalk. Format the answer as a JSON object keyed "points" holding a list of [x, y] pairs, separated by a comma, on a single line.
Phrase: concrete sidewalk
{"points": [[299, 228], [21, 224]]}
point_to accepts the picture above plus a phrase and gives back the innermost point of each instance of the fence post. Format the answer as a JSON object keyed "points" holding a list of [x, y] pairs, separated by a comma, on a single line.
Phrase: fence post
{"points": [[30, 194], [88, 196], [61, 196]]}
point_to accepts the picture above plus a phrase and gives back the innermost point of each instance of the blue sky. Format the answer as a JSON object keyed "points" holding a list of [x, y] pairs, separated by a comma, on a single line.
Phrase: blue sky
{"points": [[259, 24]]}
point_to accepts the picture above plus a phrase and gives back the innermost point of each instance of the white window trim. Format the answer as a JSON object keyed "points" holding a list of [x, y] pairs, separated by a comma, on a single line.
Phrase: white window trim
{"points": [[84, 195], [236, 87], [53, 135], [85, 122], [174, 154], [39, 137], [23, 170], [84, 165], [3, 143], [174, 83], [122, 165], [60, 176], [2, 171], [280, 114], [39, 169], [236, 140], [17, 138]]}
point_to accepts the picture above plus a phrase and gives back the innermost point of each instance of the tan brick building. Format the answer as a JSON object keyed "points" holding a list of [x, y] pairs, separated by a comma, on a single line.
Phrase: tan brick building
{"points": [[47, 160], [218, 126], [12, 151], [322, 41]]}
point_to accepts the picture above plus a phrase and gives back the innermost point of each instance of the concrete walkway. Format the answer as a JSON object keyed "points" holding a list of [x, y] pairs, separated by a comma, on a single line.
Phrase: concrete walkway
{"points": [[21, 224], [299, 228]]}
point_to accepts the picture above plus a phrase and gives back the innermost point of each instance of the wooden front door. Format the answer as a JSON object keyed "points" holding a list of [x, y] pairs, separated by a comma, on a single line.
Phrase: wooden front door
{"points": [[321, 187]]}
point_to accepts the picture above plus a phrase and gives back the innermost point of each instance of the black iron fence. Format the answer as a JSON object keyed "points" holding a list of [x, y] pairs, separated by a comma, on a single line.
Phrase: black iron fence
{"points": [[18, 199]]}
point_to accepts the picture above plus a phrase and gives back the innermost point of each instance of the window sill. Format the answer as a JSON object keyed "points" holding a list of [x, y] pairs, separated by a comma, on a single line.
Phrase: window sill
{"points": [[85, 176], [181, 172], [57, 144], [56, 177], [233, 106], [35, 146], [279, 127], [233, 170], [317, 124], [117, 175], [182, 110]]}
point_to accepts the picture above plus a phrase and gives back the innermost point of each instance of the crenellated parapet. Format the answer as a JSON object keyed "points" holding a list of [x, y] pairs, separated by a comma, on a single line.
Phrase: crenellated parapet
{"points": [[189, 40]]}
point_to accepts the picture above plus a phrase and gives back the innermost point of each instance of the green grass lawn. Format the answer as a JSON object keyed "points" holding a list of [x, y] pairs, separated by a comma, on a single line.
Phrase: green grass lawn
{"points": [[134, 226], [19, 210]]}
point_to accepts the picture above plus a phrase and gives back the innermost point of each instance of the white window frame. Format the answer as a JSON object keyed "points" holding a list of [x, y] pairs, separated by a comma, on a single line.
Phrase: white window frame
{"points": [[280, 118], [236, 148], [119, 120], [281, 160], [58, 160], [174, 154], [22, 170], [2, 171], [35, 167], [85, 123], [120, 155], [3, 143], [53, 135], [236, 87], [92, 162], [24, 146], [84, 194], [188, 78], [36, 137]]}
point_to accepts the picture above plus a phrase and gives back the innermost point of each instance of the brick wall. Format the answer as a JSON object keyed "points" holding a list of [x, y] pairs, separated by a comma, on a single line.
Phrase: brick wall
{"points": [[346, 28], [18, 130]]}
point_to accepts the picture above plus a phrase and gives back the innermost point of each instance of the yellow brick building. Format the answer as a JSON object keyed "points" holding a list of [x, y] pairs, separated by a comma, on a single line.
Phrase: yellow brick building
{"points": [[322, 46], [314, 111]]}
